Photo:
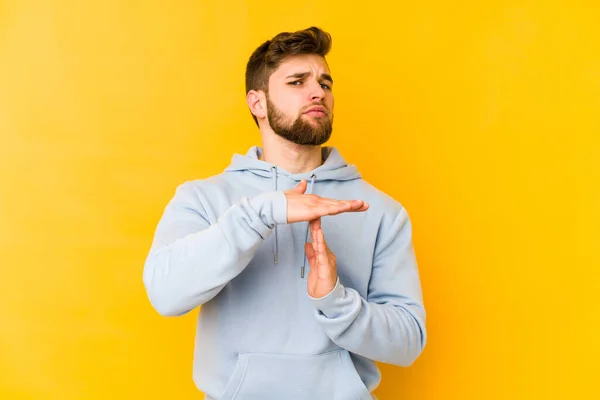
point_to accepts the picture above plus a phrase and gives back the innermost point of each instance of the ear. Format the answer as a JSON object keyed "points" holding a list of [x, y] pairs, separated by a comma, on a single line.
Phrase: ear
{"points": [[256, 103]]}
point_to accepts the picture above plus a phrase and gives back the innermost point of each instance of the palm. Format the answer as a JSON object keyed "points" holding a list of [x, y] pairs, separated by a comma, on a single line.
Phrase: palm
{"points": [[322, 275]]}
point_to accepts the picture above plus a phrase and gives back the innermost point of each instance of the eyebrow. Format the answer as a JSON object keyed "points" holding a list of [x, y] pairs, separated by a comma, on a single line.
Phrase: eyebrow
{"points": [[301, 75]]}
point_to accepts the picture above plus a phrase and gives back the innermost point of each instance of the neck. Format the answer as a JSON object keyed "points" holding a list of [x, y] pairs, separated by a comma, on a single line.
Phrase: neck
{"points": [[292, 157]]}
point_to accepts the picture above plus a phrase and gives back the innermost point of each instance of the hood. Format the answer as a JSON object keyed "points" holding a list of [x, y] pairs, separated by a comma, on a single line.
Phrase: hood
{"points": [[334, 168]]}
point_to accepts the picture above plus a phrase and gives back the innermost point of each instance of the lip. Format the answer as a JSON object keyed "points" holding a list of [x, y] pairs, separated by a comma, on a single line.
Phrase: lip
{"points": [[316, 109]]}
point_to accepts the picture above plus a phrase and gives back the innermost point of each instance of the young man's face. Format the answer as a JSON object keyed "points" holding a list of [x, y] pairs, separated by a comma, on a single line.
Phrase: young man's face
{"points": [[300, 100]]}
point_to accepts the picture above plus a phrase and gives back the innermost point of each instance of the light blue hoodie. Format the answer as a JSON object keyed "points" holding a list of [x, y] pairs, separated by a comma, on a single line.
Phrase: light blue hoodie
{"points": [[223, 243]]}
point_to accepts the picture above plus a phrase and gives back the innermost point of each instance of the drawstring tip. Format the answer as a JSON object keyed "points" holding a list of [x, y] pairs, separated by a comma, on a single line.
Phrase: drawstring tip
{"points": [[275, 258], [302, 272]]}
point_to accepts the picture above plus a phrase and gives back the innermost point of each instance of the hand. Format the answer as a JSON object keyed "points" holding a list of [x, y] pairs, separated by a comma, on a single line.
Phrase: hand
{"points": [[322, 276], [307, 207]]}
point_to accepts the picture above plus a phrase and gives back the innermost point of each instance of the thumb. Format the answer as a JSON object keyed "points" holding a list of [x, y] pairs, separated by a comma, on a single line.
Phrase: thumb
{"points": [[300, 187]]}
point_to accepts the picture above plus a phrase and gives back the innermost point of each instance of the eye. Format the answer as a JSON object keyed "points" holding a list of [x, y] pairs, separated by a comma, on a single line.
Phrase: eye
{"points": [[325, 86], [295, 83]]}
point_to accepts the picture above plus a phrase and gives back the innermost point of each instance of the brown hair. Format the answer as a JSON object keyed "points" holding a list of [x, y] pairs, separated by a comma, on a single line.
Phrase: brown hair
{"points": [[269, 55]]}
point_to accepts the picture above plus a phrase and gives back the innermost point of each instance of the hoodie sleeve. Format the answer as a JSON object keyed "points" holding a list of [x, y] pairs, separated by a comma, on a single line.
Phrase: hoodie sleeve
{"points": [[389, 326], [191, 260]]}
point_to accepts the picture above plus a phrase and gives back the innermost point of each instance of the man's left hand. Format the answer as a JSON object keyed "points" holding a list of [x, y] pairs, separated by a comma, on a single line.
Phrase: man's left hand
{"points": [[323, 274]]}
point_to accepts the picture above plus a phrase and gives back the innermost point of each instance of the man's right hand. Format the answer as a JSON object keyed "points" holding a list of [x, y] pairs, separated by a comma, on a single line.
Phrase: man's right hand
{"points": [[306, 207]]}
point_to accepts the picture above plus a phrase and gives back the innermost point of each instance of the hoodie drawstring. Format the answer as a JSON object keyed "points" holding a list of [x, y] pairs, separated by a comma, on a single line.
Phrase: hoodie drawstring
{"points": [[276, 244], [312, 183]]}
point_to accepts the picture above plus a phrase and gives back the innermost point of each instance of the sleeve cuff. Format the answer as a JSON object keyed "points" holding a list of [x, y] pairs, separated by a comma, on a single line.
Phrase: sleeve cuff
{"points": [[271, 207], [280, 208], [329, 302]]}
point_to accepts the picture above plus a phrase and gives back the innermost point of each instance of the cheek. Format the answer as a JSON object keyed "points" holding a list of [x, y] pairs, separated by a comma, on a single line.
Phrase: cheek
{"points": [[289, 104], [292, 107]]}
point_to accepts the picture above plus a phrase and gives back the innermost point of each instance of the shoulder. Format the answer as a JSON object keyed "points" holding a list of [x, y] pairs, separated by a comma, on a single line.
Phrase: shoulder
{"points": [[199, 194], [377, 198], [202, 187], [387, 213]]}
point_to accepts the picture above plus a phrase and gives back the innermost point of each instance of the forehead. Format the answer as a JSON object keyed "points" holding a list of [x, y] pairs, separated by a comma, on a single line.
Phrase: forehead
{"points": [[311, 63]]}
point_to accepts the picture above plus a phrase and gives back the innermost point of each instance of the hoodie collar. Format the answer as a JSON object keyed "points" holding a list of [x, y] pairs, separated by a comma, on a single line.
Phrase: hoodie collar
{"points": [[334, 167]]}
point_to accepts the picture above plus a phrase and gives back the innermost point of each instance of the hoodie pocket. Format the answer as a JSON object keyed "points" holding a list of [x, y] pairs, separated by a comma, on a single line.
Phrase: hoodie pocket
{"points": [[328, 376]]}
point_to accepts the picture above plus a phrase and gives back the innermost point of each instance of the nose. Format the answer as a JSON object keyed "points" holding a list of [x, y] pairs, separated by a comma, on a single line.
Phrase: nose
{"points": [[316, 91]]}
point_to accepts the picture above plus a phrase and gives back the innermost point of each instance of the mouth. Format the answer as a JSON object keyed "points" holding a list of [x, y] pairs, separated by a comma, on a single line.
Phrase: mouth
{"points": [[316, 111]]}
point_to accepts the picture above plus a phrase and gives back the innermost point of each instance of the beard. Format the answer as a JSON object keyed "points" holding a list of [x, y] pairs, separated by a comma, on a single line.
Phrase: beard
{"points": [[300, 131]]}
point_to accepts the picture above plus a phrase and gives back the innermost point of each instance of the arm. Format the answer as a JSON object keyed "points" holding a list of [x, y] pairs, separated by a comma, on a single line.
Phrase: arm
{"points": [[191, 260], [389, 326]]}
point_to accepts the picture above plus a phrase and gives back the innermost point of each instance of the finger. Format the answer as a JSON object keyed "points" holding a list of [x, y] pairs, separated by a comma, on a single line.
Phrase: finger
{"points": [[329, 201], [364, 207], [350, 203], [357, 204], [300, 187], [316, 224], [315, 227], [322, 238], [325, 255], [317, 244], [310, 253], [320, 241], [325, 247], [321, 255], [333, 206], [338, 209], [341, 205], [311, 224]]}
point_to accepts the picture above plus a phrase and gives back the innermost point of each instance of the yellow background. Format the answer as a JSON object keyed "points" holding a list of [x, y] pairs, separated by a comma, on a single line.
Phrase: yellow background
{"points": [[481, 117]]}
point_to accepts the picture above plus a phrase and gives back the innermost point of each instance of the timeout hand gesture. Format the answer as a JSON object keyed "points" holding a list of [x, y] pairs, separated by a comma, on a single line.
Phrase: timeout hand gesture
{"points": [[306, 207], [322, 276]]}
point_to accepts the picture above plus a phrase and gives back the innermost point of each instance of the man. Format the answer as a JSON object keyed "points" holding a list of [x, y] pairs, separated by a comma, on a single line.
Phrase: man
{"points": [[306, 273]]}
